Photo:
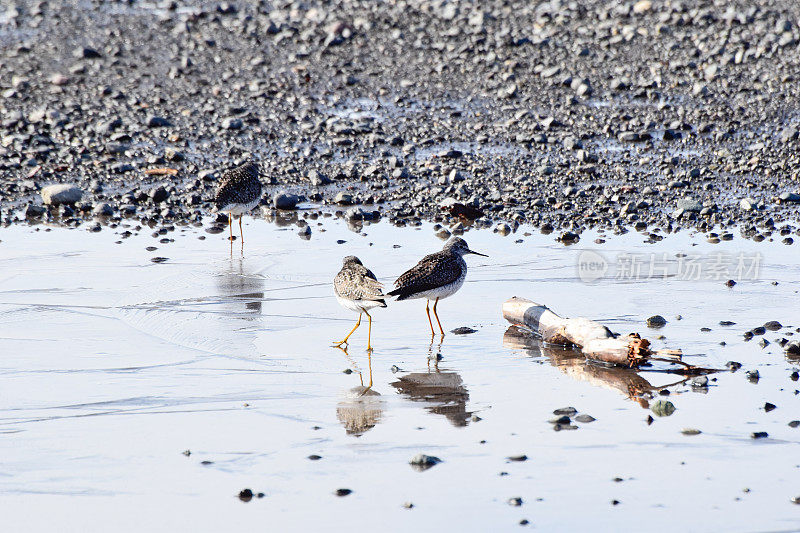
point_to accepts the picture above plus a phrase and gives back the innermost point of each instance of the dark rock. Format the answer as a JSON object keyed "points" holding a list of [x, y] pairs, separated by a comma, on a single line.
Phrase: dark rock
{"points": [[103, 209], [568, 411], [159, 194], [423, 462], [285, 201], [792, 348], [232, 123], [157, 122], [86, 53], [34, 211]]}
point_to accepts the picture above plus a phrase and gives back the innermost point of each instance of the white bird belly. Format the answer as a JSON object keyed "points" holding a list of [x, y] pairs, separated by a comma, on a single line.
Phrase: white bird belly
{"points": [[440, 292], [357, 306], [240, 209]]}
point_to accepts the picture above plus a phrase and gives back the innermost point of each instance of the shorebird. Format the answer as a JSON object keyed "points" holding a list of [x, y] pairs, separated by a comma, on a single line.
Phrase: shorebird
{"points": [[357, 289], [239, 191], [437, 276]]}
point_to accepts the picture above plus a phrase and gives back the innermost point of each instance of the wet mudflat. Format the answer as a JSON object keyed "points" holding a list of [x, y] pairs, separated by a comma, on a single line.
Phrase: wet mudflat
{"points": [[146, 395]]}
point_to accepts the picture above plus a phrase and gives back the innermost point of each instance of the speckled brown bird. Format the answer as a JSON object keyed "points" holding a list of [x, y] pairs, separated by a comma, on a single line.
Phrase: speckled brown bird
{"points": [[437, 276], [358, 289], [239, 191]]}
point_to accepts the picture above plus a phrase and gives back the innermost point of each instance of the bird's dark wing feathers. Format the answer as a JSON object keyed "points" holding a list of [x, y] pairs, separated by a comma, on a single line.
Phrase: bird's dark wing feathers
{"points": [[237, 185], [356, 282], [435, 270], [225, 193]]}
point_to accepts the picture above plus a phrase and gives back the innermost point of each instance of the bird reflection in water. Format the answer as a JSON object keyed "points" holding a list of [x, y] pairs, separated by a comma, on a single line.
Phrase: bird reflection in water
{"points": [[444, 390], [571, 362], [238, 285], [360, 408]]}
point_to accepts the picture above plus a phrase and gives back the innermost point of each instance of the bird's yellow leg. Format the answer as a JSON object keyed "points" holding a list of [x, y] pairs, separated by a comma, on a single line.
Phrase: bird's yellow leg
{"points": [[369, 333], [428, 310], [240, 228], [437, 317], [230, 226], [338, 344]]}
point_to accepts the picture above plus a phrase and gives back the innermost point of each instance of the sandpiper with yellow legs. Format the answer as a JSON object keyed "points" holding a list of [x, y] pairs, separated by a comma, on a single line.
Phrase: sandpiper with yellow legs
{"points": [[357, 289], [239, 191], [437, 276]]}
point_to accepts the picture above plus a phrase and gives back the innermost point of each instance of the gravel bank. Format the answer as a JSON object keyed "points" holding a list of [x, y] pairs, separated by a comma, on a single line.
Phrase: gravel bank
{"points": [[565, 115]]}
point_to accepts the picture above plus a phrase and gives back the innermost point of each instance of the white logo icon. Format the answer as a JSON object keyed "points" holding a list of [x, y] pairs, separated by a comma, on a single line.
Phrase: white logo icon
{"points": [[591, 266]]}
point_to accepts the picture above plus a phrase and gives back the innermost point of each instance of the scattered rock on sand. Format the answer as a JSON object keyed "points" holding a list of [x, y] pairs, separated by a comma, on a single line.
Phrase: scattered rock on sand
{"points": [[662, 408], [423, 462], [285, 201], [62, 193], [569, 411]]}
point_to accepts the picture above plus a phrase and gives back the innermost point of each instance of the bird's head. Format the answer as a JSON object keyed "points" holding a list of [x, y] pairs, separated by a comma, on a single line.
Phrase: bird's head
{"points": [[459, 246], [351, 260]]}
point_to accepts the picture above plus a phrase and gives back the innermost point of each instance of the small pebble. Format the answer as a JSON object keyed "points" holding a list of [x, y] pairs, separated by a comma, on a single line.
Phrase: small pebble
{"points": [[423, 462], [568, 411], [662, 408]]}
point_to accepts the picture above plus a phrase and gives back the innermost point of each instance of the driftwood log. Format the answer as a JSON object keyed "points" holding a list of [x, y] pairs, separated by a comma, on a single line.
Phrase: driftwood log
{"points": [[595, 341]]}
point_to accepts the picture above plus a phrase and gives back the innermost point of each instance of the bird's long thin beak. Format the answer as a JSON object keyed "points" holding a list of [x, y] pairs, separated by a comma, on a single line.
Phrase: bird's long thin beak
{"points": [[476, 253]]}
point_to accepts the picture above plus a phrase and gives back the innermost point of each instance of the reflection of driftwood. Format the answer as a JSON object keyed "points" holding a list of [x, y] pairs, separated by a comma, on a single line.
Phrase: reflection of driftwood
{"points": [[360, 410], [572, 362], [443, 389], [596, 341]]}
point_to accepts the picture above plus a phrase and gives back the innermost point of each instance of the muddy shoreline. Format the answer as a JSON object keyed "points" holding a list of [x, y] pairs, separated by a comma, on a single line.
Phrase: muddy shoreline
{"points": [[649, 115]]}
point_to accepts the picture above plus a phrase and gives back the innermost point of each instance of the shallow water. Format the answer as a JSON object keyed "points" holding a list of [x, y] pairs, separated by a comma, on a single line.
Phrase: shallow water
{"points": [[114, 365]]}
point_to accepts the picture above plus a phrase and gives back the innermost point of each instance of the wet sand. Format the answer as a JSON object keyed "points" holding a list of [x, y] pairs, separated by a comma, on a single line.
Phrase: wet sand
{"points": [[113, 366]]}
